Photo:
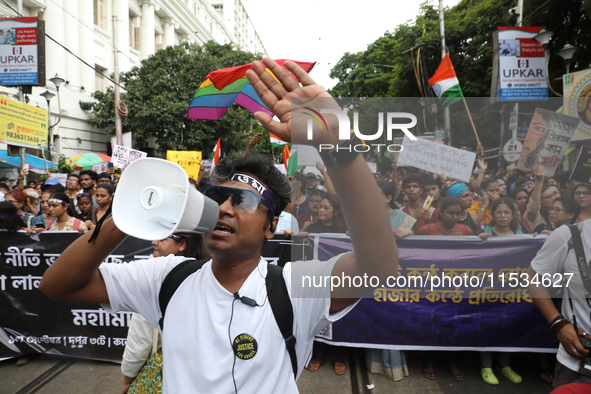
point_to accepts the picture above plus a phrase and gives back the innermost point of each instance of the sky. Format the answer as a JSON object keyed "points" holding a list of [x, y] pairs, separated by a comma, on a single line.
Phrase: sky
{"points": [[323, 30]]}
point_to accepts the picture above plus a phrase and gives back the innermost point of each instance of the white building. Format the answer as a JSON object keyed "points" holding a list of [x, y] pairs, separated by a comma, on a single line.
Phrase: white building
{"points": [[80, 48]]}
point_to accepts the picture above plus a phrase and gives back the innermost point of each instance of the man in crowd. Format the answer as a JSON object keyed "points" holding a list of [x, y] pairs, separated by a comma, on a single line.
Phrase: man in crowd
{"points": [[413, 186], [204, 318], [88, 180], [72, 189]]}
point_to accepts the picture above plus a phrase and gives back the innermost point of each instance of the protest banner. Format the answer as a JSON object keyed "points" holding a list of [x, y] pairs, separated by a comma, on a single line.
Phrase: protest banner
{"points": [[452, 293], [475, 315], [437, 158], [189, 160], [582, 169], [123, 156], [547, 139]]}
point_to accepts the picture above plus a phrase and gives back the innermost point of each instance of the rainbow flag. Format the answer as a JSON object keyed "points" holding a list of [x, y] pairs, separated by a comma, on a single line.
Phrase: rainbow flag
{"points": [[224, 87]]}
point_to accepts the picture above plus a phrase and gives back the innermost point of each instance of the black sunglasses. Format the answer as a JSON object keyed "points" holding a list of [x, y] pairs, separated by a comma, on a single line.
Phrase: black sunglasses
{"points": [[245, 200]]}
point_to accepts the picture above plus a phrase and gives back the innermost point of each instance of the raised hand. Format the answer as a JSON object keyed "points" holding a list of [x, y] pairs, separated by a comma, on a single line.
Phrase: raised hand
{"points": [[277, 94]]}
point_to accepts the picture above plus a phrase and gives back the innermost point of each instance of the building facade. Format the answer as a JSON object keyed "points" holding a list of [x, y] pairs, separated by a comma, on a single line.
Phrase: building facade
{"points": [[81, 45]]}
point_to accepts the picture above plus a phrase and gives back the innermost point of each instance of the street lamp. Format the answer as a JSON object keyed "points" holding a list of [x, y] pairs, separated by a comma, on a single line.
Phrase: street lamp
{"points": [[47, 95], [543, 37], [567, 53]]}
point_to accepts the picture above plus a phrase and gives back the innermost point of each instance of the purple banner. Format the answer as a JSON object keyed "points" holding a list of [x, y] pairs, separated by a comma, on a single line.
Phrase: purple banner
{"points": [[451, 293]]}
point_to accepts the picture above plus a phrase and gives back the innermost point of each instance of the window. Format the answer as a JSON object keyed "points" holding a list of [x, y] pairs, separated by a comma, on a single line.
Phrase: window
{"points": [[99, 81], [100, 14], [134, 33]]}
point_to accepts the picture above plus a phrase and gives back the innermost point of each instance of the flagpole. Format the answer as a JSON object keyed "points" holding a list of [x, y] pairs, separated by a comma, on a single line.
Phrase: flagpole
{"points": [[446, 116], [471, 121]]}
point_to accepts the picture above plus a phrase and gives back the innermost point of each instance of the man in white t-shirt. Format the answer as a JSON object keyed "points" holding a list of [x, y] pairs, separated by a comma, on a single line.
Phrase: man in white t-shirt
{"points": [[552, 262], [214, 341]]}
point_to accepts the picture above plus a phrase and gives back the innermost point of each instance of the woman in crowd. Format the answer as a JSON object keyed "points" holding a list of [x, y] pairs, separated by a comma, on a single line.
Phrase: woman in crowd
{"points": [[466, 197], [450, 212], [298, 197], [541, 199], [10, 220], [59, 209], [330, 217], [103, 195], [520, 197], [45, 216], [87, 214], [504, 219], [388, 362], [313, 201], [141, 333], [19, 199], [401, 223], [330, 220], [564, 211], [582, 195], [503, 223]]}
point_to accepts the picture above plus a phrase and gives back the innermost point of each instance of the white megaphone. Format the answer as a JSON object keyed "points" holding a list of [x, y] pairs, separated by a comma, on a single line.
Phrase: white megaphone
{"points": [[154, 200]]}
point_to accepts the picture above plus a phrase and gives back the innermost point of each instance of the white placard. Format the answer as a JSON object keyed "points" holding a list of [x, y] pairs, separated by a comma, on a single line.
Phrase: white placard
{"points": [[100, 168], [373, 167], [307, 155], [60, 177], [437, 158], [123, 156]]}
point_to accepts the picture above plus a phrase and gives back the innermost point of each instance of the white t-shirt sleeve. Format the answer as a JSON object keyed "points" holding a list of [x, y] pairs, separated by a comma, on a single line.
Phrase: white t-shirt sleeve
{"points": [[135, 286], [311, 301], [550, 258]]}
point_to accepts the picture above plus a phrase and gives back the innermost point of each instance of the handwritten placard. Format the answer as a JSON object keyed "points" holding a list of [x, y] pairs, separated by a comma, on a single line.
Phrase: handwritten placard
{"points": [[100, 168], [548, 137], [189, 160], [437, 158], [123, 156]]}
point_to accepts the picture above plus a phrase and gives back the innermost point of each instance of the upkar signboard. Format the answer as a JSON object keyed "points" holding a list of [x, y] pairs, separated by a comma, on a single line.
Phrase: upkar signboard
{"points": [[22, 51], [521, 62]]}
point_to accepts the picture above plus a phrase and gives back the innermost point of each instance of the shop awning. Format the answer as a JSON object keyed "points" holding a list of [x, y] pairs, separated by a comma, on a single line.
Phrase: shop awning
{"points": [[15, 161]]}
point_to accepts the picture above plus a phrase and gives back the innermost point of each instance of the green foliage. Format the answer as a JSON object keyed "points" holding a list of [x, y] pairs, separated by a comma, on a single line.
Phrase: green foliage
{"points": [[468, 36], [158, 94], [63, 167]]}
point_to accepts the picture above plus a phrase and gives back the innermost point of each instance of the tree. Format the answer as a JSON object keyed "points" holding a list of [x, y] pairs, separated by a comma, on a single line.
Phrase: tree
{"points": [[468, 30], [158, 94]]}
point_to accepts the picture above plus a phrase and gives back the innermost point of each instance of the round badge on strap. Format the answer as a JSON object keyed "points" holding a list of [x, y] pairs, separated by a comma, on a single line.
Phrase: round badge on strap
{"points": [[245, 346]]}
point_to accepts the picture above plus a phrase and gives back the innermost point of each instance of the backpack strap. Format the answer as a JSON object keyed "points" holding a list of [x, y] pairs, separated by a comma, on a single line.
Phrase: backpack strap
{"points": [[173, 280], [276, 292], [282, 310]]}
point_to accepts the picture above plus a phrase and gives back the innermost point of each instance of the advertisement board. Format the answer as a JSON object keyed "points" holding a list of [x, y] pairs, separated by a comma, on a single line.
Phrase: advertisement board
{"points": [[521, 65], [22, 51], [22, 124]]}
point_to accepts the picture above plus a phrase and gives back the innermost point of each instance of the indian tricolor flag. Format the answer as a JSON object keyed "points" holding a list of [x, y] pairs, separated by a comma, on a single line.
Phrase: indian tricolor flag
{"points": [[445, 83], [276, 142], [216, 155]]}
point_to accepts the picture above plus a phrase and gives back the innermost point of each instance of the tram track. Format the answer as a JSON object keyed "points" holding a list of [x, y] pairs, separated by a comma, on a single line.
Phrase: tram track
{"points": [[39, 382]]}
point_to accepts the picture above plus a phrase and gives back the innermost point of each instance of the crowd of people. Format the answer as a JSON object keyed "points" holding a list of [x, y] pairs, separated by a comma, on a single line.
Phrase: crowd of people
{"points": [[412, 201]]}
